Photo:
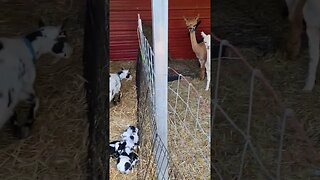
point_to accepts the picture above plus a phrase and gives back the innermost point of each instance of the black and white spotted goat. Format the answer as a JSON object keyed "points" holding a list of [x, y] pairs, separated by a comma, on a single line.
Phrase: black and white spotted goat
{"points": [[123, 150], [127, 161], [18, 56], [115, 84]]}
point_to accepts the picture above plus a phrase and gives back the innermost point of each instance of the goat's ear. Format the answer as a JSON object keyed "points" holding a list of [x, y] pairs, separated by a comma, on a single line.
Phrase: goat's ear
{"points": [[41, 23], [185, 18]]}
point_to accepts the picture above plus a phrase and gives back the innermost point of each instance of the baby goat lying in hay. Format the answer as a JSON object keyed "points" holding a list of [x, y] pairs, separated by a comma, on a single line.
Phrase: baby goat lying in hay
{"points": [[18, 56], [123, 150], [207, 42], [310, 12], [115, 84]]}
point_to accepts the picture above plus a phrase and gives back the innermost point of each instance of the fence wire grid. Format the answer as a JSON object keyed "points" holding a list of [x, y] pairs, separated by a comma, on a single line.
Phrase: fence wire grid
{"points": [[249, 123], [188, 153]]}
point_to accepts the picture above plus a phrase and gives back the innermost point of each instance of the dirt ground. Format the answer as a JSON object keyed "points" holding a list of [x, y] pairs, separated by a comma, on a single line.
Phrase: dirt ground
{"points": [[260, 37], [57, 147]]}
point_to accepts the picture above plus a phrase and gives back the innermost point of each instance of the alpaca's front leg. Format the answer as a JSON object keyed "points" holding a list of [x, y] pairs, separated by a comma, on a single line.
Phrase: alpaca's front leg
{"points": [[296, 27], [202, 69], [313, 39]]}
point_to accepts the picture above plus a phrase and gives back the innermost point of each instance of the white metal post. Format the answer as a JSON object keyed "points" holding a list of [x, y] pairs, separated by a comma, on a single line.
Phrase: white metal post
{"points": [[160, 47]]}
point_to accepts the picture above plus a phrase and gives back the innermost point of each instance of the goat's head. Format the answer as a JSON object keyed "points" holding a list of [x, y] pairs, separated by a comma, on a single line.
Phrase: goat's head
{"points": [[206, 39], [125, 74], [192, 23], [50, 39]]}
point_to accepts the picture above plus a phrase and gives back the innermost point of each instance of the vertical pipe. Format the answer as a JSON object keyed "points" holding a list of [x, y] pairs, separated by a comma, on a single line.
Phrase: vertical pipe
{"points": [[160, 46]]}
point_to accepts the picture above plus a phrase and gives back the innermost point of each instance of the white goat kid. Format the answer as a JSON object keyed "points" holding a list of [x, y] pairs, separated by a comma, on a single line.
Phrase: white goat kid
{"points": [[207, 42], [311, 14], [115, 84], [18, 71]]}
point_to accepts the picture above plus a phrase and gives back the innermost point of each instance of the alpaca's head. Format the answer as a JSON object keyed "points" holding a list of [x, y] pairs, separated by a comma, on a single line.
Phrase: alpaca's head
{"points": [[50, 39], [192, 23]]}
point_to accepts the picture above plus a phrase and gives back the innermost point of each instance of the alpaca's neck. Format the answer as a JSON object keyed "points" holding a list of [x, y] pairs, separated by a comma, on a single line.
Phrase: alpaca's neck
{"points": [[194, 42]]}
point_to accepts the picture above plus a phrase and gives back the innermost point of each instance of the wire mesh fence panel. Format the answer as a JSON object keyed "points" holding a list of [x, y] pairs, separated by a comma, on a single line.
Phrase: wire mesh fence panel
{"points": [[189, 128], [150, 142], [188, 153], [251, 138]]}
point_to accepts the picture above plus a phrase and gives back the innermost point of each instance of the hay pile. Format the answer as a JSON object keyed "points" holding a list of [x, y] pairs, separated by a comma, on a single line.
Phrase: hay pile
{"points": [[57, 148], [123, 114]]}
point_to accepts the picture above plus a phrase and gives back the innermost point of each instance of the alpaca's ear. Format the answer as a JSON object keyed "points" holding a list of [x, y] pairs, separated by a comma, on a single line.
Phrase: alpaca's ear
{"points": [[198, 23], [198, 16], [185, 18]]}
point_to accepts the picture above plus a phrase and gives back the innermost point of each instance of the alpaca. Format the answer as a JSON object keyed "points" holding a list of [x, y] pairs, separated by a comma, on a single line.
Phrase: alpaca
{"points": [[310, 12], [207, 42], [198, 49]]}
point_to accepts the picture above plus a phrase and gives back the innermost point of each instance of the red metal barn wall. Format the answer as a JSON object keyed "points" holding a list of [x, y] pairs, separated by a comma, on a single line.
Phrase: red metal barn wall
{"points": [[123, 26]]}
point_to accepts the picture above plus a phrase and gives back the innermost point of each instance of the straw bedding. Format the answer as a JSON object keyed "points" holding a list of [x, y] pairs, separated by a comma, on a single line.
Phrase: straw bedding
{"points": [[123, 114], [57, 148]]}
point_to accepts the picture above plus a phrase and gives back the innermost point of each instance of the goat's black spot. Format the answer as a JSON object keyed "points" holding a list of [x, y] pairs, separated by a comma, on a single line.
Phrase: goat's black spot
{"points": [[132, 128], [1, 45], [127, 166], [22, 69], [58, 47], [33, 36], [131, 137], [122, 145], [120, 72], [128, 75]]}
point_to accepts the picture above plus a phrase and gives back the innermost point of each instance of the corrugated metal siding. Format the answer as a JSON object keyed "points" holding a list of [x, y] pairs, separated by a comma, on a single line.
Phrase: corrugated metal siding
{"points": [[123, 25]]}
